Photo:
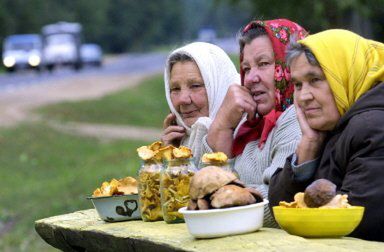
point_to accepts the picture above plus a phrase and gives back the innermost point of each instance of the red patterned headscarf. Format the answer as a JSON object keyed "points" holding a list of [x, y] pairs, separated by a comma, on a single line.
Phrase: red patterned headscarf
{"points": [[279, 32]]}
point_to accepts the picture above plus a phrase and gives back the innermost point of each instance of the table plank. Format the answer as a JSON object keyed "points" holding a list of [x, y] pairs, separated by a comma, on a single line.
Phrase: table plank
{"points": [[85, 231]]}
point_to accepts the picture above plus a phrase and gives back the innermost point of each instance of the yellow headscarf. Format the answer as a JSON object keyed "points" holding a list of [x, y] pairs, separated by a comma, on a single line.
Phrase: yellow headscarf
{"points": [[351, 63]]}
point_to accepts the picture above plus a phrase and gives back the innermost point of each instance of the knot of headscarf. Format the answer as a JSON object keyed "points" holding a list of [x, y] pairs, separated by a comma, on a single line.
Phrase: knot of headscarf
{"points": [[279, 31], [351, 63]]}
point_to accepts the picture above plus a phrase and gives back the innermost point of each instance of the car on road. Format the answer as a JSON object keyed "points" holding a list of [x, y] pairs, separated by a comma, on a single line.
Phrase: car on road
{"points": [[91, 54], [61, 45], [22, 51]]}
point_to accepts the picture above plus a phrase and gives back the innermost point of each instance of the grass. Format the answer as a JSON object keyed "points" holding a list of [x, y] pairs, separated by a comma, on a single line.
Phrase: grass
{"points": [[45, 173], [144, 105]]}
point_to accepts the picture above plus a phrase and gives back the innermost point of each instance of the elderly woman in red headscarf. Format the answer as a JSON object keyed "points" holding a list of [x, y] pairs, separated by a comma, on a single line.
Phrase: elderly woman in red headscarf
{"points": [[255, 124]]}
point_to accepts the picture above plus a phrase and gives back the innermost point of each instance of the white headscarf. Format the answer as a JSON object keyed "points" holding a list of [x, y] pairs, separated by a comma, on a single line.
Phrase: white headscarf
{"points": [[218, 72]]}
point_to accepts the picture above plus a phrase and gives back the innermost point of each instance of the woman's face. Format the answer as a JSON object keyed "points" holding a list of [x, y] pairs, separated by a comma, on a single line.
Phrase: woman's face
{"points": [[314, 95], [259, 72], [188, 93]]}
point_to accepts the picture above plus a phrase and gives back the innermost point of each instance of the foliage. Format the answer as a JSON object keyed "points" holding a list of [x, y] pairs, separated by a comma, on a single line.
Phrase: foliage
{"points": [[362, 16], [124, 25]]}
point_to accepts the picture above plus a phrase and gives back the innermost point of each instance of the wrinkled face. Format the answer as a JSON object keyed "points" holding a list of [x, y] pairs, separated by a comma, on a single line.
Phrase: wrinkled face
{"points": [[313, 94], [259, 71], [188, 93]]}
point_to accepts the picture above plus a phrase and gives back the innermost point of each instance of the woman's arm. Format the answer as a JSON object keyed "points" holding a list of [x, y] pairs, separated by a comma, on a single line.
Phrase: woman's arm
{"points": [[360, 157], [236, 102]]}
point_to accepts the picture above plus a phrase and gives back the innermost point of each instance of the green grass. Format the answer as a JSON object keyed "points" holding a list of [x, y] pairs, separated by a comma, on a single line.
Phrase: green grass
{"points": [[45, 173], [144, 105]]}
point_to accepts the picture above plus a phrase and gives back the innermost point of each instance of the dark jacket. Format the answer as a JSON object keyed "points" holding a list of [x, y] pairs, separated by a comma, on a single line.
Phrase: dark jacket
{"points": [[353, 159]]}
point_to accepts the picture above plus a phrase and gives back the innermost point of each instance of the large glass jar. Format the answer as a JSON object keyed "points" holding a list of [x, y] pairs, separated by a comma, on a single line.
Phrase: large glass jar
{"points": [[174, 188], [149, 191]]}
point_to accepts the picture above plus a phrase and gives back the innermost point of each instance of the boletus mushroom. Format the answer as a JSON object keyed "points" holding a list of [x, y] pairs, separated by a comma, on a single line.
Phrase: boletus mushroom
{"points": [[231, 195], [208, 180], [214, 187], [319, 193]]}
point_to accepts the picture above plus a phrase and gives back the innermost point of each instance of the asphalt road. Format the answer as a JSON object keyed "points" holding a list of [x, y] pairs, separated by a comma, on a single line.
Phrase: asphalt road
{"points": [[122, 64], [137, 63]]}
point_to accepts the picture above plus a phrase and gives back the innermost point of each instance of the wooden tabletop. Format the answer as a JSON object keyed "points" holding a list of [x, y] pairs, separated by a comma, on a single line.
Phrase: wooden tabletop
{"points": [[85, 231]]}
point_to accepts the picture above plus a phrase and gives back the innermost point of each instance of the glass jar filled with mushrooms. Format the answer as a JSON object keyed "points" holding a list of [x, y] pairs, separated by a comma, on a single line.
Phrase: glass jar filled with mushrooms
{"points": [[149, 181], [174, 187], [149, 191]]}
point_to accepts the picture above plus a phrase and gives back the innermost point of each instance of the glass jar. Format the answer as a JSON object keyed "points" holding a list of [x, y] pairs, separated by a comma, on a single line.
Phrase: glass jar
{"points": [[149, 191], [174, 188]]}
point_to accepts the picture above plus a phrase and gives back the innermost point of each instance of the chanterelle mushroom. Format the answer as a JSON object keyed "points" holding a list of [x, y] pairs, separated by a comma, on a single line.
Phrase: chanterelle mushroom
{"points": [[319, 193], [231, 195], [207, 180]]}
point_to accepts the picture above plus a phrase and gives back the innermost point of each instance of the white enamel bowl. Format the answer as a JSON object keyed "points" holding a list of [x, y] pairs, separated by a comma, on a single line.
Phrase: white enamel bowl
{"points": [[223, 222]]}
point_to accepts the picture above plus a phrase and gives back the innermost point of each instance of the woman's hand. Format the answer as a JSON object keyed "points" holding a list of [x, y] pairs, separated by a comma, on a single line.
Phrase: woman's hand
{"points": [[172, 134], [237, 101], [311, 141]]}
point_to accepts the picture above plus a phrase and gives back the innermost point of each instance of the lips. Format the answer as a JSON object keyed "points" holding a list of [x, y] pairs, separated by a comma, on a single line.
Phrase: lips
{"points": [[258, 95], [188, 114], [311, 111]]}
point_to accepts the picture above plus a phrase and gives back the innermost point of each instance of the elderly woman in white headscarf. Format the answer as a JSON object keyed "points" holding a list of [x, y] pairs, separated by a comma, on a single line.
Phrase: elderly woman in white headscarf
{"points": [[197, 77]]}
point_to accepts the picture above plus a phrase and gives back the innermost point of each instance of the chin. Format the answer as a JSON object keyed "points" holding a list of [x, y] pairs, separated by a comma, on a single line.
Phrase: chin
{"points": [[320, 126], [261, 110], [189, 121]]}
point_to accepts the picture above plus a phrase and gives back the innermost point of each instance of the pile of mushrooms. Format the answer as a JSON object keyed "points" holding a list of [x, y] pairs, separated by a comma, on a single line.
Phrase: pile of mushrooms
{"points": [[213, 187]]}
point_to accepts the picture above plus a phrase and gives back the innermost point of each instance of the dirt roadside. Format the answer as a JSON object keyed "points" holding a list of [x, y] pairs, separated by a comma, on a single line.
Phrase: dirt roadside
{"points": [[17, 106]]}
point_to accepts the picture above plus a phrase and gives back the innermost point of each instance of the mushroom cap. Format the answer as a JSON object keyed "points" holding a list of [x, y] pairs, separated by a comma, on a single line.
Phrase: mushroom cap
{"points": [[207, 180], [231, 195], [319, 193]]}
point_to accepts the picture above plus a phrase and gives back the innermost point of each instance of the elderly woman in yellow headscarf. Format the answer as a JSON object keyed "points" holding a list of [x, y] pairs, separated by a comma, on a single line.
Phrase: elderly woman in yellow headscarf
{"points": [[339, 99]]}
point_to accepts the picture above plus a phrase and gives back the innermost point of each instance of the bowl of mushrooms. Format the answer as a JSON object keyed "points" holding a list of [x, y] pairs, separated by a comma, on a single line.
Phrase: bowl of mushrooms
{"points": [[221, 205], [318, 212]]}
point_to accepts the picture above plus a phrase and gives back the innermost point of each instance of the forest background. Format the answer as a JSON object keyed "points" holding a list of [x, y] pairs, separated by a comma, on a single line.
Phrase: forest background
{"points": [[130, 25]]}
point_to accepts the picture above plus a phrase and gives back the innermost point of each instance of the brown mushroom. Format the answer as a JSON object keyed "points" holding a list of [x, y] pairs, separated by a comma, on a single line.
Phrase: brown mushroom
{"points": [[255, 193], [319, 193], [207, 180], [203, 204], [231, 195], [192, 205]]}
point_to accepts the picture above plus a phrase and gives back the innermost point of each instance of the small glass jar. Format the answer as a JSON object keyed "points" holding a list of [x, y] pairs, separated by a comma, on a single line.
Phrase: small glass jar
{"points": [[149, 191], [174, 188], [227, 165]]}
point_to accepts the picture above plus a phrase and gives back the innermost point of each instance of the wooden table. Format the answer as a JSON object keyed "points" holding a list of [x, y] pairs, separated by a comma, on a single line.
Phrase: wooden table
{"points": [[84, 231]]}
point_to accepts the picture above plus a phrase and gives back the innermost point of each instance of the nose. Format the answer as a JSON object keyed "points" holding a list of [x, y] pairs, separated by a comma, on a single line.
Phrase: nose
{"points": [[305, 93], [185, 96], [251, 78]]}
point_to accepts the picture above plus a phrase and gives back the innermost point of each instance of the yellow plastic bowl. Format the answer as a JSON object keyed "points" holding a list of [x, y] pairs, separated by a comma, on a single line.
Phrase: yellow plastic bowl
{"points": [[318, 222]]}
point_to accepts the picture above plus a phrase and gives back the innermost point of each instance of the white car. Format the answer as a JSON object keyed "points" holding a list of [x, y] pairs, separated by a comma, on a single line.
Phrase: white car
{"points": [[21, 51], [91, 54]]}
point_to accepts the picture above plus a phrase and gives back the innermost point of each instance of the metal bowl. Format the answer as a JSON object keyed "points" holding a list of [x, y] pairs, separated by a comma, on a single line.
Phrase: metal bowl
{"points": [[117, 207]]}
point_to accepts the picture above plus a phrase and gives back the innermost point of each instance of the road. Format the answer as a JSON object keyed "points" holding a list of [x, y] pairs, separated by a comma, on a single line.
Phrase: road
{"points": [[144, 63], [123, 64]]}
